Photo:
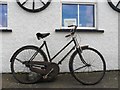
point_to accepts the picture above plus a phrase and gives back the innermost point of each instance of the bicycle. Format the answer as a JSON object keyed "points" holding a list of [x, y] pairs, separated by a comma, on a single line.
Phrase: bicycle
{"points": [[29, 64]]}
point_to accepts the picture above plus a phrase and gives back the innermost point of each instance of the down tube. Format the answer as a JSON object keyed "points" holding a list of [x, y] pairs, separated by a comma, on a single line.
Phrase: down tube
{"points": [[62, 50]]}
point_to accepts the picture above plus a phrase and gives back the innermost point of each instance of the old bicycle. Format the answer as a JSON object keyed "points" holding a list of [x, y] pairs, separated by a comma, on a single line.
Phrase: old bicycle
{"points": [[29, 64]]}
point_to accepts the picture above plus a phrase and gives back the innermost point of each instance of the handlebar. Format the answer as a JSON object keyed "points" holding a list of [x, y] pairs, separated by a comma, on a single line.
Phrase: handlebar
{"points": [[75, 27], [72, 30]]}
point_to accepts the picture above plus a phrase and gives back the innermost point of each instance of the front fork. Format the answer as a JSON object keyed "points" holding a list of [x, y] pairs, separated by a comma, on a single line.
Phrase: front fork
{"points": [[79, 50]]}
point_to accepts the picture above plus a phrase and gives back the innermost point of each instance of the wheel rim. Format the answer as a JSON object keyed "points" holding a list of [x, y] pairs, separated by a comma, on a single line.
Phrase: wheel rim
{"points": [[19, 69], [91, 73], [32, 7], [114, 6]]}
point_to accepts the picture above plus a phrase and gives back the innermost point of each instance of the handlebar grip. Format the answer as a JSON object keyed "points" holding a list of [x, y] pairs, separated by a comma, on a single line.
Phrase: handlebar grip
{"points": [[68, 35], [71, 25]]}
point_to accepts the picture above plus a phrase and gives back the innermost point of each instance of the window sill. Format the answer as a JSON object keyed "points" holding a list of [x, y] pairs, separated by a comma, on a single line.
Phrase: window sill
{"points": [[5, 30], [81, 30]]}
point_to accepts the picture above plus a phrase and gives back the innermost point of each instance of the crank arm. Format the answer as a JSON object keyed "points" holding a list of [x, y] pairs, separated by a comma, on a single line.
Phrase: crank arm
{"points": [[48, 74]]}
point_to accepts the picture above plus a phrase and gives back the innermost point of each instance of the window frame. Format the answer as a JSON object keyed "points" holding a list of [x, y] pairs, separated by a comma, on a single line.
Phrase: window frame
{"points": [[82, 3], [4, 3]]}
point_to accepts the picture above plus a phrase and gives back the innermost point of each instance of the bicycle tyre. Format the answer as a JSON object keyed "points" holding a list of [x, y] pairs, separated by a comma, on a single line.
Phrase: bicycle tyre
{"points": [[16, 66], [90, 77]]}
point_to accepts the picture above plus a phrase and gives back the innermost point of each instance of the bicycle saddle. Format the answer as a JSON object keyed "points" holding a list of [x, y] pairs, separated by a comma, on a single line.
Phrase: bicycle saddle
{"points": [[42, 35]]}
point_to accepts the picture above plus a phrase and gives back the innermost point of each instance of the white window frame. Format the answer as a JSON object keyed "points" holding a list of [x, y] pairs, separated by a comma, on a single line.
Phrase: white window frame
{"points": [[5, 2], [86, 3]]}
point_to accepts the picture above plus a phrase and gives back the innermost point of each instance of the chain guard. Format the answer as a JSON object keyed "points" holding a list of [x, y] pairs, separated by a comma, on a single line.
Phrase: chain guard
{"points": [[48, 70], [53, 70]]}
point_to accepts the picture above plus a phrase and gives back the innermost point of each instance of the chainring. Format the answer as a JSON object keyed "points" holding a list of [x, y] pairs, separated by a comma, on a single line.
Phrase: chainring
{"points": [[53, 70], [48, 70]]}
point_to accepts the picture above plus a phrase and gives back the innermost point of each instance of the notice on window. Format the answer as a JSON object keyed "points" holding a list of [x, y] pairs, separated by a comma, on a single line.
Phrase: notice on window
{"points": [[68, 22]]}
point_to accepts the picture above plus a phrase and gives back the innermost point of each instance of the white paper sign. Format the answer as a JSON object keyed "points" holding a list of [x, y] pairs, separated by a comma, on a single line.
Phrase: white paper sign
{"points": [[68, 22]]}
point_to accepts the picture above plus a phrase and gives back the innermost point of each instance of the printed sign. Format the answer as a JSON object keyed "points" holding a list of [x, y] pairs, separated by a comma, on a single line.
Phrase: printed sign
{"points": [[68, 22]]}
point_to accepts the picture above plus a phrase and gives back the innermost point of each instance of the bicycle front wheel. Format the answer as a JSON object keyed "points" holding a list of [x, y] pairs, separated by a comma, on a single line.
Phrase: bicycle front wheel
{"points": [[20, 70], [90, 73]]}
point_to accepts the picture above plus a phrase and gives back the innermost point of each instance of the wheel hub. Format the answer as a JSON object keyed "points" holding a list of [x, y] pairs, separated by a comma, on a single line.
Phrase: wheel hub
{"points": [[88, 65]]}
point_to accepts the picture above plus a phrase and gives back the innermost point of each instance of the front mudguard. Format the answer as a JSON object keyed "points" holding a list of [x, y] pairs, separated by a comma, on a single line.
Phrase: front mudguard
{"points": [[84, 47]]}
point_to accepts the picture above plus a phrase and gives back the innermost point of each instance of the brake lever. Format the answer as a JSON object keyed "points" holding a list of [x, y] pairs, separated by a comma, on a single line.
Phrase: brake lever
{"points": [[72, 33], [68, 35], [72, 26]]}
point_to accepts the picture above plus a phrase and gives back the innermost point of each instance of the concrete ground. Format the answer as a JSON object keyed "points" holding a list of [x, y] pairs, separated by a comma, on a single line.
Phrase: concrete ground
{"points": [[63, 81]]}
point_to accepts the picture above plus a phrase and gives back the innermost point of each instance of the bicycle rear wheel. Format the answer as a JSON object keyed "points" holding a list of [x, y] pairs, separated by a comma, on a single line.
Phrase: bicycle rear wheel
{"points": [[89, 74], [20, 70]]}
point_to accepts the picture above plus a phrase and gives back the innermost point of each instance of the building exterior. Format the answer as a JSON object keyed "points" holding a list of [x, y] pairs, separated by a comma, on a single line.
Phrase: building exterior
{"points": [[25, 25]]}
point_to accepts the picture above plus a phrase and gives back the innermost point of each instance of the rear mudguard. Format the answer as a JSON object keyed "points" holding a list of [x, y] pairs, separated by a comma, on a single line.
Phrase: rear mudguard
{"points": [[22, 48]]}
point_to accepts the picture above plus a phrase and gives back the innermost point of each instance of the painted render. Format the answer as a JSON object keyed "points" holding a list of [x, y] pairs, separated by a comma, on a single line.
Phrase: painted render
{"points": [[25, 25]]}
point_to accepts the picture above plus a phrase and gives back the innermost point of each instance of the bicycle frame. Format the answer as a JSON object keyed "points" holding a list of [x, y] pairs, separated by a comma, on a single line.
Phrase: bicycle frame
{"points": [[48, 54], [46, 70]]}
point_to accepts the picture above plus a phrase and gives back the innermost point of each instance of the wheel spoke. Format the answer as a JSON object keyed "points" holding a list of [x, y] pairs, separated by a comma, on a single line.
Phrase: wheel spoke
{"points": [[24, 2], [80, 68], [118, 4], [19, 60], [92, 62], [95, 67], [91, 69], [84, 69], [33, 5], [88, 70], [42, 2]]}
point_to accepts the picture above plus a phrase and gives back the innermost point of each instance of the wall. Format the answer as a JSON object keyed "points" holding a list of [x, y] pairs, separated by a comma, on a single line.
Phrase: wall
{"points": [[25, 25], [119, 40]]}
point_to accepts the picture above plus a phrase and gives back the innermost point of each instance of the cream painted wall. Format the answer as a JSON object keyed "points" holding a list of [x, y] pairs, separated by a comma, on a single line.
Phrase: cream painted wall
{"points": [[25, 25]]}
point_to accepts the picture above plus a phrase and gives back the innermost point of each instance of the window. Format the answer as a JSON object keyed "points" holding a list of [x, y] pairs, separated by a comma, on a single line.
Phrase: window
{"points": [[3, 15], [82, 15]]}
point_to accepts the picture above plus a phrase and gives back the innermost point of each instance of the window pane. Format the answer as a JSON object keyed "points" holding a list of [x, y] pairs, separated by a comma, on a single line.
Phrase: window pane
{"points": [[69, 14], [0, 15], [86, 15], [3, 15]]}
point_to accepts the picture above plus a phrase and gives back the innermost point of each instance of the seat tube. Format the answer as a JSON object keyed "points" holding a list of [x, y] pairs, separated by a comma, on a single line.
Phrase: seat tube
{"points": [[47, 50]]}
